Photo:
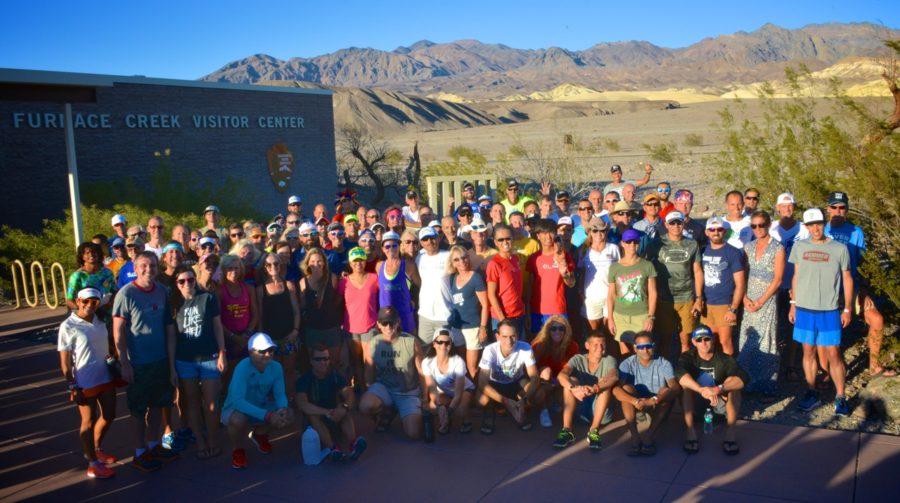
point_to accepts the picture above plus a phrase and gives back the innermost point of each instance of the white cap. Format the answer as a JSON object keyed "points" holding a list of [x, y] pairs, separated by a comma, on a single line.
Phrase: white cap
{"points": [[674, 215], [442, 331], [785, 198], [260, 342], [813, 215], [207, 241], [119, 219], [307, 227], [477, 225], [294, 200], [424, 232], [392, 236], [89, 293], [714, 222], [564, 221]]}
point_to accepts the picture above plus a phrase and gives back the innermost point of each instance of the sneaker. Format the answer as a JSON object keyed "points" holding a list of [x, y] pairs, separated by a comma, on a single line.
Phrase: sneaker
{"points": [[261, 442], [564, 438], [593, 439], [337, 455], [146, 462], [840, 406], [546, 422], [810, 401], [358, 447], [105, 457], [238, 459], [99, 471], [160, 453], [171, 442]]}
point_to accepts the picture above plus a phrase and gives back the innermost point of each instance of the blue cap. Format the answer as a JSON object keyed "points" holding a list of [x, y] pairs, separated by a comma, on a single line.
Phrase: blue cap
{"points": [[172, 246], [631, 235], [701, 331]]}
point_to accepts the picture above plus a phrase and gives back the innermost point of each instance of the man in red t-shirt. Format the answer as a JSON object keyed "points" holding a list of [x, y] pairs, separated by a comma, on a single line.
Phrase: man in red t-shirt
{"points": [[551, 270], [504, 281]]}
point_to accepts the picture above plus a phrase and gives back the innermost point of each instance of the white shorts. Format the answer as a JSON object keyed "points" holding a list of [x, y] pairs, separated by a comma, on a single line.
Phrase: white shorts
{"points": [[594, 309], [471, 338]]}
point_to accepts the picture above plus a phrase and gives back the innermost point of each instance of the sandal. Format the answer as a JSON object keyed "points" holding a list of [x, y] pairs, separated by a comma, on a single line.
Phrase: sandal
{"points": [[691, 446], [730, 447], [634, 451], [648, 449], [883, 372], [466, 427]]}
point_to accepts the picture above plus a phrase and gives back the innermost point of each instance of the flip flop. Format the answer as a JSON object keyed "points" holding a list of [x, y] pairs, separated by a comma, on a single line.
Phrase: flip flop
{"points": [[730, 447], [691, 446], [883, 373]]}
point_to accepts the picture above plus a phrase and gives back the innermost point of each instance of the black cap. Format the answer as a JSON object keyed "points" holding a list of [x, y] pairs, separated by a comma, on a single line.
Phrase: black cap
{"points": [[411, 194], [512, 183], [614, 168], [839, 197], [562, 194], [388, 314], [468, 185]]}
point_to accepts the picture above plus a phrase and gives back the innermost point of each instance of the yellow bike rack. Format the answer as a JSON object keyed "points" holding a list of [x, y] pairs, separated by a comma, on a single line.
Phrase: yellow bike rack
{"points": [[33, 297]]}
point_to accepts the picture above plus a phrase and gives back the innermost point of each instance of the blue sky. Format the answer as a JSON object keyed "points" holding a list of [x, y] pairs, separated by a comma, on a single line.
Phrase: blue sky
{"points": [[188, 39]]}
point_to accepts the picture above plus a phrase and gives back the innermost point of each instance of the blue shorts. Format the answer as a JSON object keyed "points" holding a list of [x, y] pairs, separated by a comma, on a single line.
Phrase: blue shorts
{"points": [[538, 320], [197, 370], [818, 328]]}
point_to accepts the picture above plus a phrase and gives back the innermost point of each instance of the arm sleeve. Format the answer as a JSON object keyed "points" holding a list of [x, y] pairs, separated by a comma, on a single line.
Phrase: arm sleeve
{"points": [[74, 285], [486, 359], [278, 390], [665, 370], [479, 283]]}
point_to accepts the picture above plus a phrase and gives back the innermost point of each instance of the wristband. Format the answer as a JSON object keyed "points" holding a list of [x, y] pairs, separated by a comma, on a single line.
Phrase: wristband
{"points": [[847, 311], [792, 301]]}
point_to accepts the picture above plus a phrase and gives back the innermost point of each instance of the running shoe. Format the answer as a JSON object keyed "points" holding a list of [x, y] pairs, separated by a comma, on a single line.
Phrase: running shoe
{"points": [[261, 442], [840, 406], [146, 462], [337, 455], [564, 438], [238, 459], [358, 447], [593, 439], [172, 442], [810, 401], [99, 471], [546, 422], [105, 457]]}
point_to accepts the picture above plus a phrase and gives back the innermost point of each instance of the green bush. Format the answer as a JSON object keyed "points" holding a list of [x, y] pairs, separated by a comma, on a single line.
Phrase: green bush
{"points": [[693, 140], [662, 152], [463, 161]]}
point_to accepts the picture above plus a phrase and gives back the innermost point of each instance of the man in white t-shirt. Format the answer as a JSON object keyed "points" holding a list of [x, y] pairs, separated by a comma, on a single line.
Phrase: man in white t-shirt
{"points": [[737, 226], [508, 375], [434, 294]]}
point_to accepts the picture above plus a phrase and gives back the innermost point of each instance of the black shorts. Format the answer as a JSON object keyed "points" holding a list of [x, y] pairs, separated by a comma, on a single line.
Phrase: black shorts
{"points": [[151, 388], [510, 390]]}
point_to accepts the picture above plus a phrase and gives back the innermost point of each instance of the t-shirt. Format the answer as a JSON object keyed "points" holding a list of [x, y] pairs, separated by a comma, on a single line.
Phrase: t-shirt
{"points": [[710, 372], [360, 304], [853, 238], [526, 247], [696, 231], [646, 380], [653, 230], [546, 359], [103, 280], [581, 371], [787, 238], [446, 383], [819, 270], [410, 215], [631, 286], [595, 265], [739, 233], [674, 261], [508, 369], [466, 307], [579, 236], [126, 275], [519, 206], [337, 260], [89, 344], [253, 392], [146, 314], [395, 362], [196, 339], [434, 294], [617, 187], [548, 291], [322, 392], [508, 276], [479, 261], [719, 267], [157, 251]]}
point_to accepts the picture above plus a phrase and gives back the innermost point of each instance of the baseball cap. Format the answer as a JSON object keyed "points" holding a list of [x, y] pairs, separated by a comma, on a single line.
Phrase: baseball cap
{"points": [[137, 241], [294, 200], [468, 185], [411, 194], [651, 197], [393, 236], [260, 342], [512, 182], [119, 219], [598, 224], [353, 217], [785, 198], [674, 215], [701, 331], [89, 293], [839, 197], [442, 331], [172, 246], [388, 314], [207, 241], [684, 195], [118, 242], [321, 221], [333, 226], [563, 194], [714, 222], [213, 208], [485, 197], [631, 235], [294, 233], [564, 221], [356, 254], [425, 233], [812, 216], [378, 225], [307, 227], [614, 168], [273, 228]]}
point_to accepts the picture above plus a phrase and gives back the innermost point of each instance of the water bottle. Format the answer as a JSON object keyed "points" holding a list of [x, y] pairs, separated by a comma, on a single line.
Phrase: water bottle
{"points": [[707, 421], [310, 446]]}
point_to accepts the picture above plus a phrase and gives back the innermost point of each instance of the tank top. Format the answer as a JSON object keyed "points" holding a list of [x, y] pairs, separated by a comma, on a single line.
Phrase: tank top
{"points": [[360, 304], [395, 291], [324, 315], [235, 311], [277, 316], [395, 363]]}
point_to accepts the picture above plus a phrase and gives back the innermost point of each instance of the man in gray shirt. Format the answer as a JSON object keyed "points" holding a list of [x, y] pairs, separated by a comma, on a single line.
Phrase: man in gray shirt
{"points": [[821, 264]]}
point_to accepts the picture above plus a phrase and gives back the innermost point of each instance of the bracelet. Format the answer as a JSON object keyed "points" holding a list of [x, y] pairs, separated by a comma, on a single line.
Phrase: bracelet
{"points": [[792, 301]]}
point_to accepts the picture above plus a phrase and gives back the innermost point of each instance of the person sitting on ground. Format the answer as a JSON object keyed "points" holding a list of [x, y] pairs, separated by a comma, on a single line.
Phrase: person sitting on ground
{"points": [[588, 380], [256, 400], [326, 400], [553, 347], [508, 375], [717, 379], [449, 389], [83, 347], [646, 385]]}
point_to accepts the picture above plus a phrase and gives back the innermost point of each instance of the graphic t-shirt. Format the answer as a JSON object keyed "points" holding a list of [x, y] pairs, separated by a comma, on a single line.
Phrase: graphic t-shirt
{"points": [[719, 267], [595, 265], [508, 369], [737, 234], [196, 339], [466, 306], [646, 380], [508, 276], [819, 273], [548, 291], [581, 370], [631, 286], [674, 261], [446, 383], [709, 372], [126, 275]]}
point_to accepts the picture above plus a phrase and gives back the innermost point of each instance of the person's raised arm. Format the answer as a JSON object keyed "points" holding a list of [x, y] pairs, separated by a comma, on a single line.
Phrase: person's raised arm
{"points": [[648, 169]]}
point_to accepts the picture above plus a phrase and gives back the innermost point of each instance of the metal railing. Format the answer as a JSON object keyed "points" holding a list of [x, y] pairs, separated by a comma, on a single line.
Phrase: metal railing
{"points": [[440, 188], [33, 298]]}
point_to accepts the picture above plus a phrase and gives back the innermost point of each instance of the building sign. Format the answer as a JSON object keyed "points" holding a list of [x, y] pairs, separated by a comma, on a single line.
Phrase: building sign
{"points": [[51, 120], [281, 165]]}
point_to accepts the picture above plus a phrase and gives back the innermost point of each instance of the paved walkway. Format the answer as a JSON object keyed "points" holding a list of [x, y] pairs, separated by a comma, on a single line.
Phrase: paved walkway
{"points": [[39, 459]]}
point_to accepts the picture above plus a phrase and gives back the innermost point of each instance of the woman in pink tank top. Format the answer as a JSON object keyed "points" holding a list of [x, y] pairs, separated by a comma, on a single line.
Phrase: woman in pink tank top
{"points": [[238, 311], [360, 292]]}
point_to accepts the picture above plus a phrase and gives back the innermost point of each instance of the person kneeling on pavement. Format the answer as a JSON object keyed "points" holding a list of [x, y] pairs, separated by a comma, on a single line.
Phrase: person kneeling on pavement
{"points": [[647, 386], [717, 379], [256, 399], [587, 381], [326, 400]]}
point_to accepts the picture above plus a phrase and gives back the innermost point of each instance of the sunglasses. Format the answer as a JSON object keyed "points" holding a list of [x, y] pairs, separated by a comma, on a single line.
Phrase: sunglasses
{"points": [[557, 328], [597, 231], [195, 239], [676, 222], [266, 352], [702, 339], [642, 347], [716, 231], [366, 240], [272, 264], [237, 235], [584, 208], [390, 246], [92, 301], [293, 222], [460, 259], [336, 233], [502, 240], [612, 201], [562, 200], [752, 198], [292, 237], [652, 204], [258, 236], [664, 190], [309, 234], [156, 226], [427, 238], [445, 342], [189, 281], [512, 189], [631, 242], [838, 207], [409, 241], [207, 245], [757, 226], [320, 358], [485, 206], [371, 216]]}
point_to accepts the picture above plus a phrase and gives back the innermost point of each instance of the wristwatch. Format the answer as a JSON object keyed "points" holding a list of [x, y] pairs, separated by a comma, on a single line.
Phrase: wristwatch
{"points": [[344, 405], [732, 310]]}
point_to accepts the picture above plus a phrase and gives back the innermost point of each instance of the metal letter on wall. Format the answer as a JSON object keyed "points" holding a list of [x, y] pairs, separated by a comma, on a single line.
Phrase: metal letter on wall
{"points": [[281, 165]]}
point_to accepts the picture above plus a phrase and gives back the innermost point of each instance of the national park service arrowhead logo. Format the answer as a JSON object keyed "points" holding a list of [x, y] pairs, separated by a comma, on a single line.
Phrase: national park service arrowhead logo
{"points": [[281, 165]]}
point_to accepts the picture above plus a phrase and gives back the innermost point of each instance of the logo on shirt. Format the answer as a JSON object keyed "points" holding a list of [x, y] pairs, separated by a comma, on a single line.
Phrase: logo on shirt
{"points": [[630, 286], [193, 324], [816, 256]]}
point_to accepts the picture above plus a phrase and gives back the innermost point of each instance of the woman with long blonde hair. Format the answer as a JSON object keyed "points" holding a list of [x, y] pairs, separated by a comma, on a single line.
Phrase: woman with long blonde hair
{"points": [[553, 346]]}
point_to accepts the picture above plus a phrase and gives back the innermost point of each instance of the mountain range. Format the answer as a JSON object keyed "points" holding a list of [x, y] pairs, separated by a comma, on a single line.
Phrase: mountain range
{"points": [[478, 71]]}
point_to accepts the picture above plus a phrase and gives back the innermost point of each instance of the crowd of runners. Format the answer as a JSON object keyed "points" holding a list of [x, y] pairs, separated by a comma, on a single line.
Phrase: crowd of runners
{"points": [[554, 308]]}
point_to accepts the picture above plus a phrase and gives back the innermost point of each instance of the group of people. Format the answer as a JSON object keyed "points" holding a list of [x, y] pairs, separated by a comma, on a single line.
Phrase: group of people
{"points": [[523, 306]]}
